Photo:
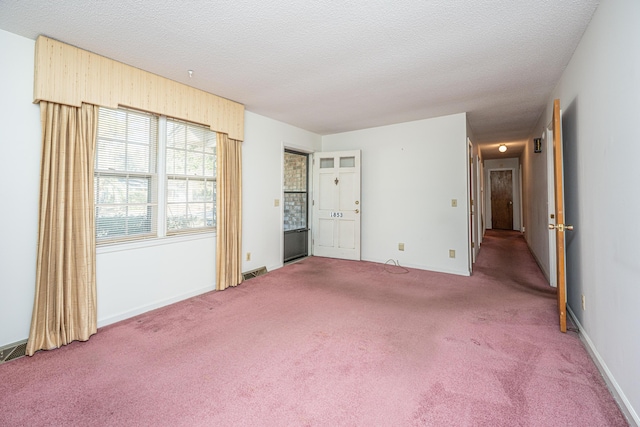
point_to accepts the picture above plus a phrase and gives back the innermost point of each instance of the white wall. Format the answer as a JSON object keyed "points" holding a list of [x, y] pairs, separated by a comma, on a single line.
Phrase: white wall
{"points": [[19, 186], [131, 278], [501, 164], [262, 174], [410, 173], [600, 100], [137, 277], [534, 200]]}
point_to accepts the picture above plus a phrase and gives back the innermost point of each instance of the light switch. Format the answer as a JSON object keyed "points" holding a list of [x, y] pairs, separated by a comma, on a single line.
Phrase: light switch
{"points": [[276, 202], [454, 203]]}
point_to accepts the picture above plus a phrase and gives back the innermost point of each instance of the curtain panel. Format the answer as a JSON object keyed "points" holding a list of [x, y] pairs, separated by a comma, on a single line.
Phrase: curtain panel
{"points": [[65, 299], [229, 213]]}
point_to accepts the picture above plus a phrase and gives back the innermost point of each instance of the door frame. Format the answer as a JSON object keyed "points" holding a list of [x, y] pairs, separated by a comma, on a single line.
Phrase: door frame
{"points": [[551, 205], [520, 192], [472, 196], [475, 204], [303, 150], [353, 211], [489, 218], [306, 229], [481, 200]]}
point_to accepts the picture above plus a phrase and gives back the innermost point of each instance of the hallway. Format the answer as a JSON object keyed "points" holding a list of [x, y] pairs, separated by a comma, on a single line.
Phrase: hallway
{"points": [[505, 258]]}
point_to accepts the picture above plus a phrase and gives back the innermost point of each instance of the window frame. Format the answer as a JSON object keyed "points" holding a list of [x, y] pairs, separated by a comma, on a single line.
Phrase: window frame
{"points": [[125, 138], [188, 178], [158, 184]]}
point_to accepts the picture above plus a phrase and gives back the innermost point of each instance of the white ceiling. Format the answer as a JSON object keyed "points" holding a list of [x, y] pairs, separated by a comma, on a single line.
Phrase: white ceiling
{"points": [[330, 66]]}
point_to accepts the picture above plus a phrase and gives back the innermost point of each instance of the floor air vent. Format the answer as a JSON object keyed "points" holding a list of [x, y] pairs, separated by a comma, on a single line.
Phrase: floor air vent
{"points": [[254, 273], [13, 352]]}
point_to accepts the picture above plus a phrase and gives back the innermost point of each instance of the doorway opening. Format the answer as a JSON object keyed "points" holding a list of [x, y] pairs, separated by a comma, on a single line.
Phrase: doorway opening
{"points": [[501, 199], [547, 137], [296, 202], [336, 205]]}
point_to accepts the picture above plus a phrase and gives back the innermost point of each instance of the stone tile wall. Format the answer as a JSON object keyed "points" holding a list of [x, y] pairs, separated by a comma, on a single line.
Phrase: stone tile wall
{"points": [[295, 179]]}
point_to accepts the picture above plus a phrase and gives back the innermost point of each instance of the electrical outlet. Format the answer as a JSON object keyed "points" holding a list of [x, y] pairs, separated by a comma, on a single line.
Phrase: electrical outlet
{"points": [[401, 246], [454, 203], [584, 303], [248, 256], [452, 253]]}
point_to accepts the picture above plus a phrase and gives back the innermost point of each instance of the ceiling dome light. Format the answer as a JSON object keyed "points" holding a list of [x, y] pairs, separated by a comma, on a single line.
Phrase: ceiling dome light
{"points": [[502, 148]]}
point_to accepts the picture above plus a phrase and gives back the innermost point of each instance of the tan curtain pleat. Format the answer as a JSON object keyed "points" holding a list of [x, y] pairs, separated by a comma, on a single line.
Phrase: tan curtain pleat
{"points": [[229, 213], [64, 308]]}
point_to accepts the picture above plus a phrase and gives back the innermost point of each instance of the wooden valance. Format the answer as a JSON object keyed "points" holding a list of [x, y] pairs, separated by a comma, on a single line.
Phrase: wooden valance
{"points": [[68, 75]]}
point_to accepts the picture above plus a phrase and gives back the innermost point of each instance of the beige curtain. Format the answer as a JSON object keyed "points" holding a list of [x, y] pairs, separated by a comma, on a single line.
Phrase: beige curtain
{"points": [[229, 209], [64, 308]]}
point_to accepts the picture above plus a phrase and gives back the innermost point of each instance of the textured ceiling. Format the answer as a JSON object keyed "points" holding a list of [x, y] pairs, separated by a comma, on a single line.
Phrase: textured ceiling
{"points": [[332, 66]]}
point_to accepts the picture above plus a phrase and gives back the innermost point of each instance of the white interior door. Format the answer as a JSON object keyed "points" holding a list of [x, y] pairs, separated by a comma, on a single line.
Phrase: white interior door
{"points": [[336, 204]]}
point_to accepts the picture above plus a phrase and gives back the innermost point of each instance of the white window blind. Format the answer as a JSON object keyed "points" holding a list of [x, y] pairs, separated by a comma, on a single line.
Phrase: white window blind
{"points": [[125, 179], [190, 177]]}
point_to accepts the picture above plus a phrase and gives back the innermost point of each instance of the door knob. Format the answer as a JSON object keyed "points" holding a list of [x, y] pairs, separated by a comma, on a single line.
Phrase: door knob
{"points": [[561, 227]]}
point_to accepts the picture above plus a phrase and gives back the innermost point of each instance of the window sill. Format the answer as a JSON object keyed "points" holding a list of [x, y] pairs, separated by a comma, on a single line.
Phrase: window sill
{"points": [[156, 241]]}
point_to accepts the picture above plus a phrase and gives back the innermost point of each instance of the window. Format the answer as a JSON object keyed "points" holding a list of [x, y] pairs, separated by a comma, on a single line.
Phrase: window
{"points": [[191, 174], [142, 159], [125, 181]]}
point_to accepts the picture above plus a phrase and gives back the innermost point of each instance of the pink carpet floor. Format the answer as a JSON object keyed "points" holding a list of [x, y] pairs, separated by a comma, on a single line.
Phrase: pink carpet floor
{"points": [[326, 342]]}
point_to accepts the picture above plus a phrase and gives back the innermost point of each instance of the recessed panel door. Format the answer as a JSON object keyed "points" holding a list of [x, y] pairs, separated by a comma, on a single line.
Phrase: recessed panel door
{"points": [[336, 205], [501, 200]]}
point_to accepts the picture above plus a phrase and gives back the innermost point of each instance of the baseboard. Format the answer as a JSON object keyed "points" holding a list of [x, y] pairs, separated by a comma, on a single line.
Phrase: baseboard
{"points": [[416, 266], [621, 399], [540, 265], [157, 304], [423, 267], [276, 266]]}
